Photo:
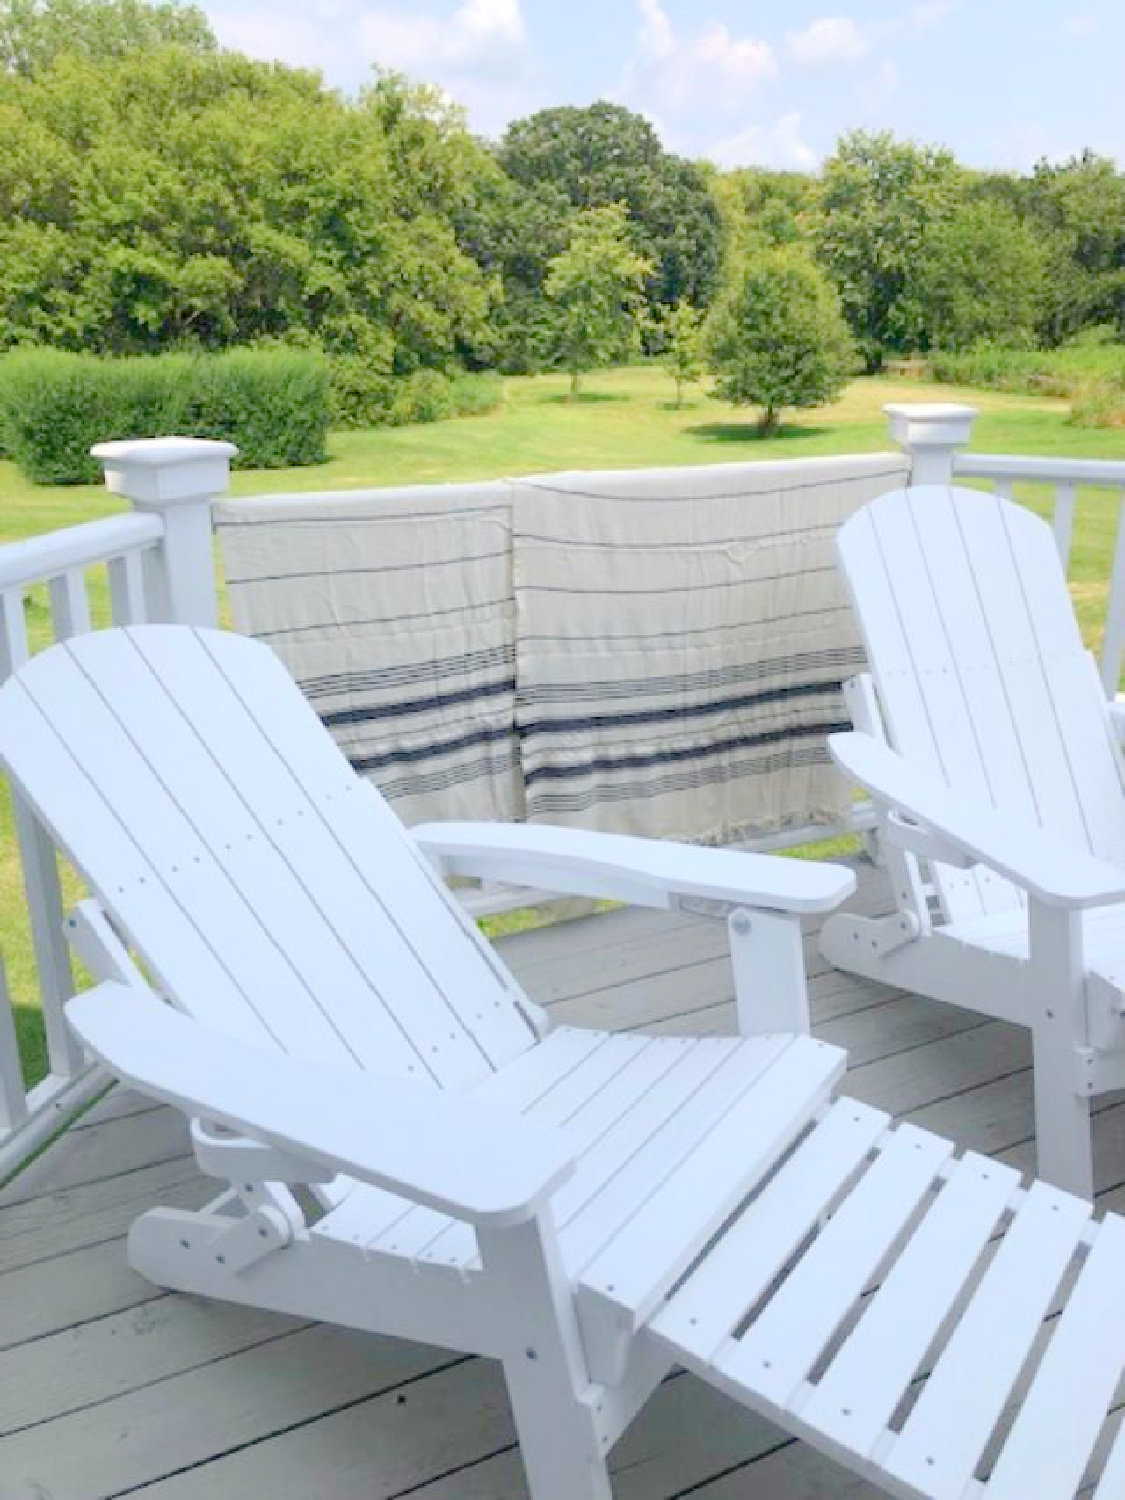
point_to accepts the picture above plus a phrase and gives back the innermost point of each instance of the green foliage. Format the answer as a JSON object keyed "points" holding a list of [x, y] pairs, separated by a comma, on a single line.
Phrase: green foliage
{"points": [[597, 284], [157, 193], [475, 394], [683, 357], [776, 336], [984, 277], [176, 197], [762, 205], [35, 33], [425, 396], [53, 406], [362, 396], [880, 202], [1062, 372], [572, 159], [1100, 404]]}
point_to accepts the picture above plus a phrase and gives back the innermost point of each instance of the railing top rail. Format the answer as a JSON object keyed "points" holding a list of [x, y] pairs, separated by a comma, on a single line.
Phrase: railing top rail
{"points": [[1110, 472], [42, 557]]}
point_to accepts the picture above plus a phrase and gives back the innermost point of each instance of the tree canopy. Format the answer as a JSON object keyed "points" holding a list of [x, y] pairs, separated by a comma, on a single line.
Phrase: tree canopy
{"points": [[604, 154], [776, 336], [597, 283], [34, 33], [159, 192]]}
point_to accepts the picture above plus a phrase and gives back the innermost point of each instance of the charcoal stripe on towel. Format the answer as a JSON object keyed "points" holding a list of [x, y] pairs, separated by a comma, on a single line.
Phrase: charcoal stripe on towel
{"points": [[394, 611], [681, 637]]}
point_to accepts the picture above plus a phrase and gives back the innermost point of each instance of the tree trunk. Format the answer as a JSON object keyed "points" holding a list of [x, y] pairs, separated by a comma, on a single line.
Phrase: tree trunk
{"points": [[575, 378], [769, 421]]}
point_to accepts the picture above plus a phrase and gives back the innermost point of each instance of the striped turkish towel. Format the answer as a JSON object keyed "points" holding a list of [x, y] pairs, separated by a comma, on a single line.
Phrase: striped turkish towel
{"points": [[393, 610], [681, 638]]}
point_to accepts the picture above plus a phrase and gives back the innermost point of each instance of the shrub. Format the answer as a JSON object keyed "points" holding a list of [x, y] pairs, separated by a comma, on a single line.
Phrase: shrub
{"points": [[362, 394], [1099, 405], [474, 395], [1065, 372], [53, 407], [425, 396]]}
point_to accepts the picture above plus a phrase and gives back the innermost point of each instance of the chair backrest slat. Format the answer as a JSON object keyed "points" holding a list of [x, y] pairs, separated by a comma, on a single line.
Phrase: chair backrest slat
{"points": [[228, 808], [981, 671]]}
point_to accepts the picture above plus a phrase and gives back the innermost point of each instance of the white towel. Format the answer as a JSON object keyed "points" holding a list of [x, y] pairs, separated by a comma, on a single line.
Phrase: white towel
{"points": [[681, 638], [393, 610]]}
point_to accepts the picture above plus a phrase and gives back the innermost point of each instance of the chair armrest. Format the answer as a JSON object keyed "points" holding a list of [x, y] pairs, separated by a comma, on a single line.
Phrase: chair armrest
{"points": [[642, 872], [448, 1151], [1054, 872]]}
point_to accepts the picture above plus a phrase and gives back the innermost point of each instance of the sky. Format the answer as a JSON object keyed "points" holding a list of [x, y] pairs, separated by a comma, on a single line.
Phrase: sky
{"points": [[1001, 82]]}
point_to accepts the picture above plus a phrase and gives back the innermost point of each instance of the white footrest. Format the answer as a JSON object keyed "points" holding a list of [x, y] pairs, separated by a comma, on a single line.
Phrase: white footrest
{"points": [[922, 1318]]}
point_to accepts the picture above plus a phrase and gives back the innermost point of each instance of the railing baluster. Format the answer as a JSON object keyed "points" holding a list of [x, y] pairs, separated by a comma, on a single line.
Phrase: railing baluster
{"points": [[1002, 488], [40, 875], [1064, 520], [13, 1098], [70, 604], [14, 649], [1113, 647], [127, 589]]}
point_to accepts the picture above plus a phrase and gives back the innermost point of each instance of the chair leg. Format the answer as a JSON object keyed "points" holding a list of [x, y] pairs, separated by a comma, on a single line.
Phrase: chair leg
{"points": [[562, 1454], [1063, 1138], [553, 1399]]}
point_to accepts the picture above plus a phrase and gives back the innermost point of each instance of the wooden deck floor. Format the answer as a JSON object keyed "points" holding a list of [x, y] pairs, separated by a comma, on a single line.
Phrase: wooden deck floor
{"points": [[109, 1385]]}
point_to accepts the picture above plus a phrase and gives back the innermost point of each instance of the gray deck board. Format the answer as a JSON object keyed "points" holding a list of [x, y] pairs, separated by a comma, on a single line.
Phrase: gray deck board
{"points": [[108, 1384]]}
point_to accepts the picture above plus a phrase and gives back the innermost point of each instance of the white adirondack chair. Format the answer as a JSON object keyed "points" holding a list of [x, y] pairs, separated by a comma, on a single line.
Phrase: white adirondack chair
{"points": [[993, 758], [588, 1208]]}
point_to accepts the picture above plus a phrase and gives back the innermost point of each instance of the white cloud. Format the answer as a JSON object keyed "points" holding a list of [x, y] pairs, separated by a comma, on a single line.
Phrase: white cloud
{"points": [[833, 39], [711, 65], [656, 39], [932, 12], [304, 39], [886, 81], [480, 36], [778, 145]]}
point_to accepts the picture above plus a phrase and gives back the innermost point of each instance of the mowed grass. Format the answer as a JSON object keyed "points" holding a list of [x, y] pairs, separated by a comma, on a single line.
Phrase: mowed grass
{"points": [[624, 419]]}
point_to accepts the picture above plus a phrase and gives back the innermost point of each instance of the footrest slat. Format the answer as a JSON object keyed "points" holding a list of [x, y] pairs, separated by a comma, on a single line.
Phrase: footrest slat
{"points": [[863, 1385], [787, 1338], [967, 1341], [946, 1432], [739, 1269], [1050, 1444]]}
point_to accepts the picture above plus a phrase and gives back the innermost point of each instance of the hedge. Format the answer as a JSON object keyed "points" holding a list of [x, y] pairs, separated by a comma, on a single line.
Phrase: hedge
{"points": [[364, 397], [274, 404]]}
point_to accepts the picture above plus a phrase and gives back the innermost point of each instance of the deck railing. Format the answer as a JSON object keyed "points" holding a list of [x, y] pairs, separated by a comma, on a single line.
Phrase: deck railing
{"points": [[1067, 477], [159, 566]]}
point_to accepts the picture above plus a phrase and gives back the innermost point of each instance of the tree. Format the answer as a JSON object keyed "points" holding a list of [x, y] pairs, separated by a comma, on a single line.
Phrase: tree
{"points": [[597, 284], [683, 358], [175, 197], [777, 337], [1079, 207], [983, 278], [34, 33], [601, 154], [771, 207], [880, 200]]}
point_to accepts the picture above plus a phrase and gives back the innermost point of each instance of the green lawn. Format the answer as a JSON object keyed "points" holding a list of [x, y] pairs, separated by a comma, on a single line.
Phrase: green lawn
{"points": [[625, 420]]}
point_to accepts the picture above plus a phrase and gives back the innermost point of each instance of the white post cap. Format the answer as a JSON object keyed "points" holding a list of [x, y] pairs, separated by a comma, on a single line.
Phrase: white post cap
{"points": [[159, 472], [920, 424]]}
